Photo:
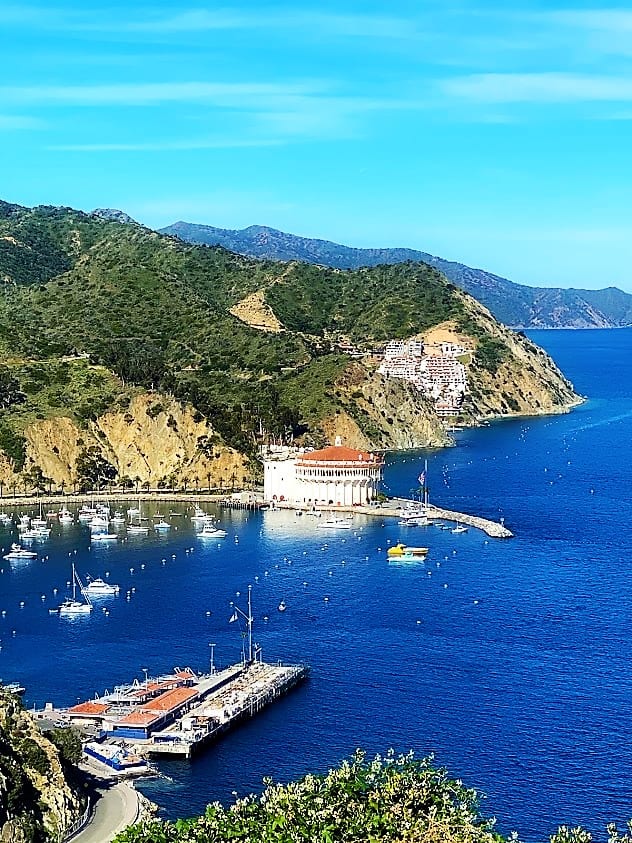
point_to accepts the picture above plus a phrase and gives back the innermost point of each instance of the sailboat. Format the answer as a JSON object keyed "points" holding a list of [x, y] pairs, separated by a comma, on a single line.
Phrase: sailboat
{"points": [[135, 528], [74, 606]]}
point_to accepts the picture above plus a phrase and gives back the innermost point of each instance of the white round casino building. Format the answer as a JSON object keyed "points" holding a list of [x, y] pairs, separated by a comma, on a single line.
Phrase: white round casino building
{"points": [[333, 476]]}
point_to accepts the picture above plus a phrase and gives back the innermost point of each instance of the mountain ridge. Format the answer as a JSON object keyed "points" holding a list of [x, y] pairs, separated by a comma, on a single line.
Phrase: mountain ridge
{"points": [[163, 363], [516, 305]]}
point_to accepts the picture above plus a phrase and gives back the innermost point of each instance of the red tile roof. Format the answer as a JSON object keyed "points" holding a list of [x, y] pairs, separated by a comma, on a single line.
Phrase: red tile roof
{"points": [[340, 453], [90, 708], [138, 718], [171, 699]]}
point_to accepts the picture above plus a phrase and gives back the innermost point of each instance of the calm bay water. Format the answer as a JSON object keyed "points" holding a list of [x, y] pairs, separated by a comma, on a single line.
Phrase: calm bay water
{"points": [[517, 675]]}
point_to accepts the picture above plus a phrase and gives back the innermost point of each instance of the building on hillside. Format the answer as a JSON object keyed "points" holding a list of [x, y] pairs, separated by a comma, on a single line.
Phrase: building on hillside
{"points": [[333, 476]]}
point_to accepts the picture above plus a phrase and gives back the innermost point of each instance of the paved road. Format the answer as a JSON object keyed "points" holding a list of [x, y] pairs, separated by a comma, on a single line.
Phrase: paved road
{"points": [[116, 809]]}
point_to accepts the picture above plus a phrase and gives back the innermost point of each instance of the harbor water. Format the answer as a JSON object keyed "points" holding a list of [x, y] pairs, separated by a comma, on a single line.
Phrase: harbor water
{"points": [[509, 660]]}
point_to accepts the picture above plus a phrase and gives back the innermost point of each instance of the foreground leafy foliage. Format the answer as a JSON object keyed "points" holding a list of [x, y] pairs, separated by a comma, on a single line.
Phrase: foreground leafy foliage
{"points": [[387, 799]]}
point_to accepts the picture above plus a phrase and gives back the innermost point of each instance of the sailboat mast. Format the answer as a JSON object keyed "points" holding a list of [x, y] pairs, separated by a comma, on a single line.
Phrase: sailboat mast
{"points": [[425, 484], [250, 619], [74, 584]]}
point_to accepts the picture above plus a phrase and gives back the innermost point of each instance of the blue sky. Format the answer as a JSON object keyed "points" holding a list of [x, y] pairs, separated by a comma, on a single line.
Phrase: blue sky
{"points": [[495, 134]]}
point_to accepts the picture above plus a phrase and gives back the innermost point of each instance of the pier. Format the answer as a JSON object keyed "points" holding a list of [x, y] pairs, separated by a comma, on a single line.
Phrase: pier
{"points": [[178, 713], [395, 507]]}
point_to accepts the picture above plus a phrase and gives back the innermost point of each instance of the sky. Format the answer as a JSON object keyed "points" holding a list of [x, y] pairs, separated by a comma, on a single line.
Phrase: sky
{"points": [[495, 134]]}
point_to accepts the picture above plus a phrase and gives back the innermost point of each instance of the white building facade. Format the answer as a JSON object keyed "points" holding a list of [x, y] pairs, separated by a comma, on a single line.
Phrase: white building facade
{"points": [[334, 476]]}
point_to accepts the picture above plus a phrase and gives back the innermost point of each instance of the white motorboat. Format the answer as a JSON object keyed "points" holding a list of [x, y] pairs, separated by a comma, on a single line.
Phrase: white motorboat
{"points": [[35, 534], [199, 514], [74, 606], [335, 524], [211, 532], [460, 528], [18, 552], [137, 530], [413, 521], [5, 519], [99, 522], [103, 537], [118, 518], [99, 588], [162, 526], [65, 516]]}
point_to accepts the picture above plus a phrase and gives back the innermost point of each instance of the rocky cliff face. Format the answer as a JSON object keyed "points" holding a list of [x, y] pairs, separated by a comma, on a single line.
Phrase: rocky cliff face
{"points": [[382, 413], [36, 802], [156, 440], [526, 381]]}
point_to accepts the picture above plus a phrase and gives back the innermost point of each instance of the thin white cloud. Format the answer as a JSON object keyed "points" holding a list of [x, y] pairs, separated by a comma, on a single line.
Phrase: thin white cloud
{"points": [[611, 20], [310, 21], [219, 93], [10, 122], [166, 146], [541, 88], [195, 20]]}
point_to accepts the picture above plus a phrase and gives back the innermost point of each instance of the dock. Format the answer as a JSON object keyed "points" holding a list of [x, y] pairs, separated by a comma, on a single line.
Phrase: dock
{"points": [[178, 713], [252, 690], [395, 507]]}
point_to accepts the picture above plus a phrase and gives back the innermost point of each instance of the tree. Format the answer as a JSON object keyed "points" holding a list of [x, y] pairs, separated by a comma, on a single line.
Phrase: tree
{"points": [[92, 468]]}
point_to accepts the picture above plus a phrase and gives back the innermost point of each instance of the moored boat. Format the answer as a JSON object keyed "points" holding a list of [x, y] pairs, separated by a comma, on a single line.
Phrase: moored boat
{"points": [[72, 606], [99, 588], [18, 552]]}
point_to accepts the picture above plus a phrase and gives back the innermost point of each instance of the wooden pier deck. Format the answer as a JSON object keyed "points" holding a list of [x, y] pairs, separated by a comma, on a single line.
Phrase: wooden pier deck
{"points": [[245, 693]]}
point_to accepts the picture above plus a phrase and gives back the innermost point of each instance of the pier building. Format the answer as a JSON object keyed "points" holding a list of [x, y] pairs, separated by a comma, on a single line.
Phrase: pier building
{"points": [[334, 476]]}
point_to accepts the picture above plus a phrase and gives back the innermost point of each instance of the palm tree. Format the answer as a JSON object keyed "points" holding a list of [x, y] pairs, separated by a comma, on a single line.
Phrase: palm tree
{"points": [[208, 477]]}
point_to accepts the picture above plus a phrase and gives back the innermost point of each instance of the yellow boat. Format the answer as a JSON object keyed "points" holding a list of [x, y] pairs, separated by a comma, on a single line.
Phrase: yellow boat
{"points": [[401, 549]]}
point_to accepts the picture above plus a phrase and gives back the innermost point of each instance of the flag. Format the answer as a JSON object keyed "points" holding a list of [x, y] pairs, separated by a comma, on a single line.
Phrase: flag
{"points": [[234, 617], [422, 478]]}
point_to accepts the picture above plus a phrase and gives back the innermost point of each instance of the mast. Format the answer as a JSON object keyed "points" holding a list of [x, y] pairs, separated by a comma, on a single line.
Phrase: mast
{"points": [[250, 619], [425, 484]]}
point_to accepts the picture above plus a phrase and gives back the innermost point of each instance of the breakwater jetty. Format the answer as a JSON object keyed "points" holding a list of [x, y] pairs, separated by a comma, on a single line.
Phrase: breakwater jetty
{"points": [[396, 506], [493, 528]]}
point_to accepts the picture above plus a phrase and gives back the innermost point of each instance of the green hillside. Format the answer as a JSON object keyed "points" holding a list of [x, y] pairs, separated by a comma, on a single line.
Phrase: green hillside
{"points": [[517, 305], [155, 312]]}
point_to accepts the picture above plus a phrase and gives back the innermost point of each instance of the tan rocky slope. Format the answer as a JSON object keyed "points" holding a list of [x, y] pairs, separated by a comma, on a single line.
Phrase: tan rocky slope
{"points": [[36, 801], [527, 382], [156, 440]]}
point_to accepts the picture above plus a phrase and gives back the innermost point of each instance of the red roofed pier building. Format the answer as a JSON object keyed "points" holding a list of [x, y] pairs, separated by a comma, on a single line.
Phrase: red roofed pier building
{"points": [[336, 475]]}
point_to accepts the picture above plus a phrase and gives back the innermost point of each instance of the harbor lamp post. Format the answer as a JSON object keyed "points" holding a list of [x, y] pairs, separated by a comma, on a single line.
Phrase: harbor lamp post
{"points": [[212, 646], [145, 671]]}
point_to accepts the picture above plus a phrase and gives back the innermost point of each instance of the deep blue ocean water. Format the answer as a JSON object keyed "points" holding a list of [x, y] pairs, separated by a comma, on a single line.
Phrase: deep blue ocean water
{"points": [[517, 675]]}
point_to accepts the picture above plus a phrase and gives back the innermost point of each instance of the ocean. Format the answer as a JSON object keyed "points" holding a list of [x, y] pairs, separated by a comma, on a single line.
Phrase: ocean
{"points": [[509, 661]]}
